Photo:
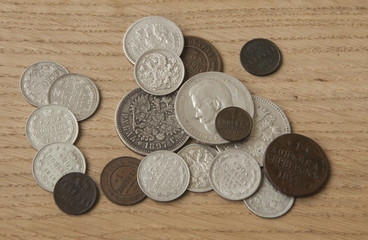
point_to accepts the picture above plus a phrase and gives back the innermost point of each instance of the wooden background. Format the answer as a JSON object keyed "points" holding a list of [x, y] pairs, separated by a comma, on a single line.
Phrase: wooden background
{"points": [[322, 86]]}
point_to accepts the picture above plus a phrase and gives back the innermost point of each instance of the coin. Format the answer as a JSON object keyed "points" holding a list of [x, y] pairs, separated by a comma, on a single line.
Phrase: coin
{"points": [[159, 71], [37, 79], [198, 158], [149, 33], [202, 97], [296, 165], [76, 92], [260, 57], [75, 193], [54, 161], [235, 175], [147, 123], [233, 123], [50, 124], [119, 181], [163, 176]]}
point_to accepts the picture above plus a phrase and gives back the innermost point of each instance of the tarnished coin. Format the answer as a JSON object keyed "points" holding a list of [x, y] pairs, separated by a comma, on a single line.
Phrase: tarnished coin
{"points": [[163, 176], [235, 175], [269, 122], [159, 71], [147, 123], [119, 181], [76, 92], [199, 158], [54, 161], [149, 33], [233, 123], [296, 165], [75, 193], [202, 97], [51, 124], [37, 79], [260, 57]]}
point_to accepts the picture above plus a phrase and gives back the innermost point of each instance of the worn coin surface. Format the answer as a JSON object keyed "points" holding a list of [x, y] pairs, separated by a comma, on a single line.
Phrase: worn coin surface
{"points": [[296, 165], [54, 161], [119, 181], [163, 176], [75, 193], [235, 175], [199, 158], [149, 33], [202, 97], [76, 92], [260, 57], [50, 124], [37, 79], [147, 123]]}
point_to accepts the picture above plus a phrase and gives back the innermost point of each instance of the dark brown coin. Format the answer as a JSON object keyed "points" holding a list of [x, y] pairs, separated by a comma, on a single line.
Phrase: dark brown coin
{"points": [[75, 193], [296, 165], [260, 57], [199, 56], [233, 123], [119, 181]]}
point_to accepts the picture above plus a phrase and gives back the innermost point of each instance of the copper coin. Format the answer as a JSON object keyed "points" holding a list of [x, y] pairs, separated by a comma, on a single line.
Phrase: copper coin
{"points": [[75, 193], [233, 123], [296, 165], [119, 181]]}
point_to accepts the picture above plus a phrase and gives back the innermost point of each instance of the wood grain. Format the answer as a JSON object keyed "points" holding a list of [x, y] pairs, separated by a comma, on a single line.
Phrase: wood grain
{"points": [[322, 86]]}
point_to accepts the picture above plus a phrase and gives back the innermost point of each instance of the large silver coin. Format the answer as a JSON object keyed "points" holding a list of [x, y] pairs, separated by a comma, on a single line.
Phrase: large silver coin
{"points": [[199, 159], [37, 79], [159, 71], [50, 124], [163, 176], [235, 175], [147, 123], [269, 122], [149, 33], [54, 161], [202, 97]]}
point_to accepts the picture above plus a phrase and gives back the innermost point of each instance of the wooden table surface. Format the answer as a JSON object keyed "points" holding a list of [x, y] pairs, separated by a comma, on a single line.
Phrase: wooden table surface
{"points": [[322, 87]]}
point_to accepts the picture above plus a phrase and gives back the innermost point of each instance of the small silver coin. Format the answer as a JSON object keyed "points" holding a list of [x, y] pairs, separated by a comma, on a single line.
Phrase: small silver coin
{"points": [[163, 176], [76, 92], [199, 158], [50, 124], [37, 79], [54, 161]]}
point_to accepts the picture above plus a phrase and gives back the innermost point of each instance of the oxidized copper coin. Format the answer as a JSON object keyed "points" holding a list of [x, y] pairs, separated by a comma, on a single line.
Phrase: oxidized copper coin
{"points": [[119, 181], [75, 193], [296, 165], [260, 57], [233, 123]]}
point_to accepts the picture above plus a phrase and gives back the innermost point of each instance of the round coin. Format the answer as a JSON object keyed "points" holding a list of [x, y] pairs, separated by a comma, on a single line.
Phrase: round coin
{"points": [[119, 181], [296, 165]]}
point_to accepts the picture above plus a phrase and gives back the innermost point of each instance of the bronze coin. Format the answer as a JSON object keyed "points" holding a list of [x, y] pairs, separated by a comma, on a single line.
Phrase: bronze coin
{"points": [[75, 193], [296, 165], [233, 123], [119, 181]]}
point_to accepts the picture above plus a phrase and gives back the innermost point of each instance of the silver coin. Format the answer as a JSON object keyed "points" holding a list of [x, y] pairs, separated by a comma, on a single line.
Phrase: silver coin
{"points": [[269, 122], [50, 124], [199, 159], [235, 175], [202, 97], [163, 176], [37, 79], [54, 161], [149, 33], [159, 71], [147, 123], [76, 92]]}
